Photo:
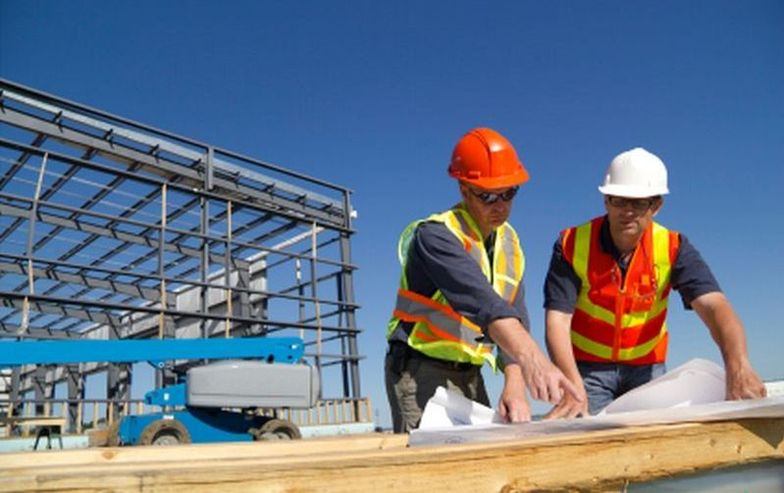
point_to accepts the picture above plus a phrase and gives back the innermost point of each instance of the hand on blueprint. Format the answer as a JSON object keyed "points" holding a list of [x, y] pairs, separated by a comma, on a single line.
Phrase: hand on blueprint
{"points": [[546, 382], [569, 407], [513, 405], [543, 379], [743, 382]]}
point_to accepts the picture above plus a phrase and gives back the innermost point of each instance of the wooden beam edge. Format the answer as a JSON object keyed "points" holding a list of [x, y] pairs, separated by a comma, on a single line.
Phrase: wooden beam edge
{"points": [[594, 461]]}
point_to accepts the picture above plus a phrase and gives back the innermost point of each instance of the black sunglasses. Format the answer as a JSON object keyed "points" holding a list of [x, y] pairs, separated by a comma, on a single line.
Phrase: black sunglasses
{"points": [[492, 197], [639, 205]]}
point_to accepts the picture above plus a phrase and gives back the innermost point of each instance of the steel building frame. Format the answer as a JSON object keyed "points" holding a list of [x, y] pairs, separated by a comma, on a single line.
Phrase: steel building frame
{"points": [[114, 229]]}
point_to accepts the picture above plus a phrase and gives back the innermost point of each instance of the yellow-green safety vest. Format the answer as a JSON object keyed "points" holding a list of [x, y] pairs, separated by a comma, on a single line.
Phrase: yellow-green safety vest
{"points": [[439, 331]]}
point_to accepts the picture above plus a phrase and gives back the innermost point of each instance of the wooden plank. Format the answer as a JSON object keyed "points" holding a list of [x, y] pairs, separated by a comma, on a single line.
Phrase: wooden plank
{"points": [[602, 460], [108, 456], [32, 421]]}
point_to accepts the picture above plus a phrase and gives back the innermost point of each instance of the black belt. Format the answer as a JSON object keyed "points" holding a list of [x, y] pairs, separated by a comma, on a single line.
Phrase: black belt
{"points": [[402, 350]]}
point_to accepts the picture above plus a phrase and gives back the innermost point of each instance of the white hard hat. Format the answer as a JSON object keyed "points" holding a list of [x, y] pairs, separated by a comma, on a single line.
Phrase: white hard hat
{"points": [[636, 173]]}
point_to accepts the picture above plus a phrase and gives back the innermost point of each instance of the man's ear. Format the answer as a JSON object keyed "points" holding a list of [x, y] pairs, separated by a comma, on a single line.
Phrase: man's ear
{"points": [[463, 191], [658, 206]]}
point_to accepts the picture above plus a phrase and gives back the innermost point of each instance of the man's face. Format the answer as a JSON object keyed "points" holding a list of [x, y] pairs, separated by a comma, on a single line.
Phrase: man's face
{"points": [[490, 207], [629, 218]]}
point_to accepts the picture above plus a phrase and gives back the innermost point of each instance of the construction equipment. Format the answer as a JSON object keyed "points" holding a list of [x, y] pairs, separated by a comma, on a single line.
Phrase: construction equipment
{"points": [[115, 229], [214, 402]]}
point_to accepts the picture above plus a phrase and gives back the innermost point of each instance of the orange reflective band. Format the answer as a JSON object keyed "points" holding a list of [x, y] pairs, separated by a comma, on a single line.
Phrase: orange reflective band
{"points": [[438, 330], [430, 325], [430, 303]]}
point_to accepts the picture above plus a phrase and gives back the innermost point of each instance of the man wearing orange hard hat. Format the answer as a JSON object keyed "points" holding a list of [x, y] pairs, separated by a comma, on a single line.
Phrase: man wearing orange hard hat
{"points": [[461, 293]]}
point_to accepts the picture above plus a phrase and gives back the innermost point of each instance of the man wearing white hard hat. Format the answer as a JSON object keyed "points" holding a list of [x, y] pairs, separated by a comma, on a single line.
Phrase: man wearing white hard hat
{"points": [[607, 289]]}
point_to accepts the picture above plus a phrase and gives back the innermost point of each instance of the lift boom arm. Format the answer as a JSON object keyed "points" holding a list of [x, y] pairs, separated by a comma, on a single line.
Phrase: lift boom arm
{"points": [[156, 351]]}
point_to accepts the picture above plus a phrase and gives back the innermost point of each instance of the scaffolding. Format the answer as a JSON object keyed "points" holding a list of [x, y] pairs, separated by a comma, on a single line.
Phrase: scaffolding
{"points": [[111, 229]]}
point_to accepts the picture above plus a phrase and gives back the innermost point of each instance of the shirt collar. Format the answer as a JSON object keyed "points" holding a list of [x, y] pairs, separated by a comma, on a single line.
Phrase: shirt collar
{"points": [[605, 239]]}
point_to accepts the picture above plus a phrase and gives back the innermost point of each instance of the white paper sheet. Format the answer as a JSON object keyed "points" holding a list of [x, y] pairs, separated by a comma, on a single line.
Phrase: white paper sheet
{"points": [[692, 392], [448, 408], [698, 381], [771, 407]]}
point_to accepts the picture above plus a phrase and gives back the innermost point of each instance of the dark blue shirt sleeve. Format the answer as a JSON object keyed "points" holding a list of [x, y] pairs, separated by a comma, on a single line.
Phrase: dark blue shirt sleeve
{"points": [[561, 284], [437, 260], [691, 276]]}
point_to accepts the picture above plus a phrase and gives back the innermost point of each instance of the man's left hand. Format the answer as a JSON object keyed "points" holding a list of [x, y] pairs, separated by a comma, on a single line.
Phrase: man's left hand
{"points": [[513, 405], [744, 383]]}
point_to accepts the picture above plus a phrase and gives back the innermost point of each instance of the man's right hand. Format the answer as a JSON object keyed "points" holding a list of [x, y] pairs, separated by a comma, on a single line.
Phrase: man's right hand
{"points": [[545, 381]]}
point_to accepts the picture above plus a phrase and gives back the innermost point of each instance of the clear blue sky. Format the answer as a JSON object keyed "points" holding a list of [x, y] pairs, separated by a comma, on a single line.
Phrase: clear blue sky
{"points": [[373, 95]]}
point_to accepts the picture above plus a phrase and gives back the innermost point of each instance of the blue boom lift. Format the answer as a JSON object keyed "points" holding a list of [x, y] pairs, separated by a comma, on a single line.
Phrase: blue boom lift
{"points": [[214, 402]]}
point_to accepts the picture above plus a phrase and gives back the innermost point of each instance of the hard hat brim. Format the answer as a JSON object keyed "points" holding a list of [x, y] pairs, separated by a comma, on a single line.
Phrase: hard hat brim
{"points": [[513, 180], [632, 192]]}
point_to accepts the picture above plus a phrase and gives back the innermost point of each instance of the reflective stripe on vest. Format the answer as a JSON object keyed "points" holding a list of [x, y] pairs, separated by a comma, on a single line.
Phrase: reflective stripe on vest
{"points": [[619, 320], [439, 331]]}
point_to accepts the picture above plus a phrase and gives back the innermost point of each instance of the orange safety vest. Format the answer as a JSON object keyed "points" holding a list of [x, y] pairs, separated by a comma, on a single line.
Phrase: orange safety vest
{"points": [[616, 319], [439, 331]]}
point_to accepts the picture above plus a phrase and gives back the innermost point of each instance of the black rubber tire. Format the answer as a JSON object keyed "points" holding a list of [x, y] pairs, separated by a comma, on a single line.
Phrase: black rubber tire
{"points": [[165, 432], [276, 429]]}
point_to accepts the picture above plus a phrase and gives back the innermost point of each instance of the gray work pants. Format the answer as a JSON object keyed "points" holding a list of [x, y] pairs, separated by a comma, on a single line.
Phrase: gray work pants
{"points": [[412, 378]]}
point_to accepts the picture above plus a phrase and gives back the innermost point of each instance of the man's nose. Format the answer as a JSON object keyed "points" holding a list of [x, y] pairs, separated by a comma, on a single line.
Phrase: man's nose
{"points": [[501, 205]]}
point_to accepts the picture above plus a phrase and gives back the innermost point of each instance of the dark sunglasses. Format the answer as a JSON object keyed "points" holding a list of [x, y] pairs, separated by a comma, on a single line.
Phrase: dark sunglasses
{"points": [[492, 197], [639, 205]]}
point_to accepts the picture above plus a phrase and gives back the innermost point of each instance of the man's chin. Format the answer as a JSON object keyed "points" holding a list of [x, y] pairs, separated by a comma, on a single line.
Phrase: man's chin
{"points": [[497, 221], [631, 232]]}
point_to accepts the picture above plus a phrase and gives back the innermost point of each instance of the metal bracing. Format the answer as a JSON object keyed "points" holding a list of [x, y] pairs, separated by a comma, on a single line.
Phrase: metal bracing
{"points": [[137, 150], [114, 229]]}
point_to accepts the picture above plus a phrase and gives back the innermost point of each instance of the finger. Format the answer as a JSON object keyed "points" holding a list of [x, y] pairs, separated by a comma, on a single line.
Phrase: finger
{"points": [[555, 413], [535, 392], [571, 389], [544, 393], [758, 391], [519, 414], [572, 410], [503, 411], [752, 393], [555, 393], [566, 409]]}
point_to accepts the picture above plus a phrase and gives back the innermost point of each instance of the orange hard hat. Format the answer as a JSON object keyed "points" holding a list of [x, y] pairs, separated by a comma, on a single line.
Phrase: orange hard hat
{"points": [[484, 158]]}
